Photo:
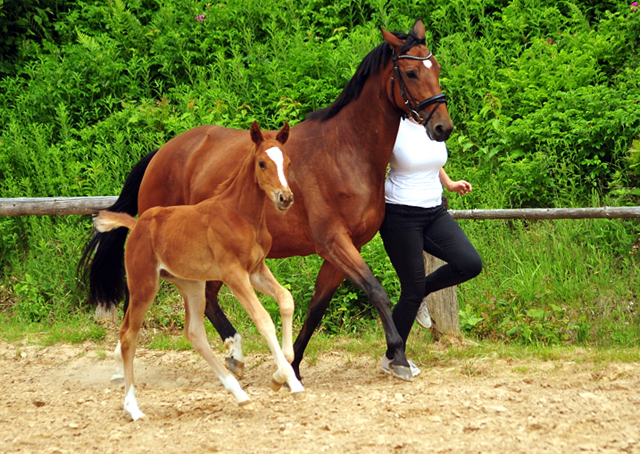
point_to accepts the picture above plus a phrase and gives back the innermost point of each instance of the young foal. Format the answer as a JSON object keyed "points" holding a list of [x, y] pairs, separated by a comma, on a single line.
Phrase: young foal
{"points": [[222, 238]]}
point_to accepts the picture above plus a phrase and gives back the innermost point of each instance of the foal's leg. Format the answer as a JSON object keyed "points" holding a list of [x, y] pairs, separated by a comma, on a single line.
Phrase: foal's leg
{"points": [[264, 281], [231, 338], [194, 304], [240, 285], [143, 288]]}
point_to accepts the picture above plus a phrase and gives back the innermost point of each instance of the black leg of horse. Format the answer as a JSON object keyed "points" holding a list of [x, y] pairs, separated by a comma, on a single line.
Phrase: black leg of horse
{"points": [[346, 257], [225, 329], [399, 365], [328, 280]]}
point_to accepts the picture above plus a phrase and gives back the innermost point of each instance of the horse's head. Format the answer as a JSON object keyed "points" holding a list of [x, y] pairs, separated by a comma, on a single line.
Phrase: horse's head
{"points": [[415, 85], [272, 166]]}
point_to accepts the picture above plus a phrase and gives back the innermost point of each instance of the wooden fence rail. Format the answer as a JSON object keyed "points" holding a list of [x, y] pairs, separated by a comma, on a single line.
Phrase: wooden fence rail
{"points": [[89, 205], [54, 205]]}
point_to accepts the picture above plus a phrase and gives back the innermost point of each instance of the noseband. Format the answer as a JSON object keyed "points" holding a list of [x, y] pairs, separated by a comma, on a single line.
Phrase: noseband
{"points": [[406, 95]]}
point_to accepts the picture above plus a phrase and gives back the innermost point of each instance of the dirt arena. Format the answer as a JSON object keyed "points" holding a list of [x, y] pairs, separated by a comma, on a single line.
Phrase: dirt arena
{"points": [[59, 399]]}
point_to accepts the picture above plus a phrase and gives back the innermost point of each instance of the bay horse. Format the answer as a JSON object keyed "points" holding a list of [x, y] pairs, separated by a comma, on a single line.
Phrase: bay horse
{"points": [[339, 156], [223, 238]]}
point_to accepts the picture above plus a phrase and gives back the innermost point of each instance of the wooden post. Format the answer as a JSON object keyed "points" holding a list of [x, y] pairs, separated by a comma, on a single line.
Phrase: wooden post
{"points": [[443, 304]]}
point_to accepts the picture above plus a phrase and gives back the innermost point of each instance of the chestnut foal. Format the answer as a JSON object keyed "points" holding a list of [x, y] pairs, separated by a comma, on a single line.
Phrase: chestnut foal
{"points": [[224, 238]]}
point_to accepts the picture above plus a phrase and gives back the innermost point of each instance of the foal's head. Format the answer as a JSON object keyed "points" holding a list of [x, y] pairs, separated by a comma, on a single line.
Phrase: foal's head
{"points": [[272, 165]]}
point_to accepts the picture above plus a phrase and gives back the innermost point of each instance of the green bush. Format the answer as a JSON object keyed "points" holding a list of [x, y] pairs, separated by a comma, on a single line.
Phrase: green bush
{"points": [[544, 96]]}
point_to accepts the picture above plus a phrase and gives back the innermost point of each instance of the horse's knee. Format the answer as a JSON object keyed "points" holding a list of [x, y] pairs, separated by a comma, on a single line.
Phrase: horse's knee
{"points": [[379, 297], [287, 307]]}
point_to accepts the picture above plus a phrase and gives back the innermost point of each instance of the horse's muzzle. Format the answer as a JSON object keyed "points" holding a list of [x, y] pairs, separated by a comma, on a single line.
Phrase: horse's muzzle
{"points": [[439, 130], [283, 199]]}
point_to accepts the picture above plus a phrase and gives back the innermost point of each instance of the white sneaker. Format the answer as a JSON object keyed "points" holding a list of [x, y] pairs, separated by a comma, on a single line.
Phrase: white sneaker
{"points": [[415, 370], [423, 318]]}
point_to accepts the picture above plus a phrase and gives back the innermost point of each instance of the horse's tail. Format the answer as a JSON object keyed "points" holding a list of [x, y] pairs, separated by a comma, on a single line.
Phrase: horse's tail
{"points": [[102, 261], [107, 221]]}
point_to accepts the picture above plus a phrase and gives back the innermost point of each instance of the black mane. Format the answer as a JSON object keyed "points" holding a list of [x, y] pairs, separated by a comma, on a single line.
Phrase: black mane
{"points": [[369, 65]]}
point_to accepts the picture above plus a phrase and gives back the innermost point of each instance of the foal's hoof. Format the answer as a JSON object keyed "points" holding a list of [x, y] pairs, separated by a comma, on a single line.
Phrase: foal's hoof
{"points": [[246, 405], [300, 396], [274, 385], [236, 367], [116, 379], [402, 372]]}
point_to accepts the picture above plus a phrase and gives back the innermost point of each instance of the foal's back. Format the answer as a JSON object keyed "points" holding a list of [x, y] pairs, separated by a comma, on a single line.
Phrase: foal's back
{"points": [[196, 242]]}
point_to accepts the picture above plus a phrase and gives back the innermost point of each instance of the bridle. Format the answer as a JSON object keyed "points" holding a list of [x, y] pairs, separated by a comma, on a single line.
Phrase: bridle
{"points": [[406, 95]]}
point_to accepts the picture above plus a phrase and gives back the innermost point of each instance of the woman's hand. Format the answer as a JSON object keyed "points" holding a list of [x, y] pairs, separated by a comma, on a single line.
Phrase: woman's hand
{"points": [[462, 187]]}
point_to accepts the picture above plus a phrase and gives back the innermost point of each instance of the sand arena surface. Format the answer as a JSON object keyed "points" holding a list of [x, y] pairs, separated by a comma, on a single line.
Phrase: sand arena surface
{"points": [[59, 399]]}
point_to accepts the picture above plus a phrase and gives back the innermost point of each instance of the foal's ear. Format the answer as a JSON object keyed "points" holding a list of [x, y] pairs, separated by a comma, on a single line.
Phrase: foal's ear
{"points": [[392, 39], [283, 135], [256, 134], [418, 27]]}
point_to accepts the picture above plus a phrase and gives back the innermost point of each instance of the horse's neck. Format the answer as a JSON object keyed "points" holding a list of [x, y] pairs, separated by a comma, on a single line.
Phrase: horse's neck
{"points": [[243, 195], [370, 124]]}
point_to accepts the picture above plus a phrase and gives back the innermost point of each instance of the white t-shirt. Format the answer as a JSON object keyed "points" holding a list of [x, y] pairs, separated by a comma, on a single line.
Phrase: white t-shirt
{"points": [[414, 173]]}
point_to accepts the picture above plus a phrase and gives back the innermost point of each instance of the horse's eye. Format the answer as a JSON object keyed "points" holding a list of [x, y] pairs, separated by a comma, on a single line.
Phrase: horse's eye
{"points": [[412, 74], [262, 165]]}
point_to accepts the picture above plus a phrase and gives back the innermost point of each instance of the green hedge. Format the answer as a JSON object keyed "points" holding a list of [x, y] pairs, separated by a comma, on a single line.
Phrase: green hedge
{"points": [[544, 96]]}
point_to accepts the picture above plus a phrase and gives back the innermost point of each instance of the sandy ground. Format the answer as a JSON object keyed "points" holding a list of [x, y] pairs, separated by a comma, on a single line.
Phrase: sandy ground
{"points": [[59, 399]]}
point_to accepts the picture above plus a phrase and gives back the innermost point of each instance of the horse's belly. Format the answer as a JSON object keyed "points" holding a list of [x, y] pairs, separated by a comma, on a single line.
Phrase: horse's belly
{"points": [[192, 271]]}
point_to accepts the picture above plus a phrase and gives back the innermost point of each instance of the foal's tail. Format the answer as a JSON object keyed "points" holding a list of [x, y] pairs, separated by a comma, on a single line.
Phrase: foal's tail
{"points": [[106, 221], [101, 265]]}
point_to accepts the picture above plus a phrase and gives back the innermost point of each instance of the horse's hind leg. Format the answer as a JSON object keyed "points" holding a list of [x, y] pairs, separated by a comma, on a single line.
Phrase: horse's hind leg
{"points": [[230, 337], [117, 355], [142, 297], [327, 282], [194, 305]]}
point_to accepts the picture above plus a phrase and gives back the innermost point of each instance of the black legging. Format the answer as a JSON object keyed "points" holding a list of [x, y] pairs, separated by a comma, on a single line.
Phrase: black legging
{"points": [[406, 231]]}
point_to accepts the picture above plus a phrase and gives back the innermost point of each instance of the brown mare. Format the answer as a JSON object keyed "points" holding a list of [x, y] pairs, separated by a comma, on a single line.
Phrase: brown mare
{"points": [[223, 238], [339, 157]]}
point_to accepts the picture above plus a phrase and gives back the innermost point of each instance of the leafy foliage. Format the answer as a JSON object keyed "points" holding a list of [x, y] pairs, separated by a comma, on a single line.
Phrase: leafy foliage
{"points": [[544, 96]]}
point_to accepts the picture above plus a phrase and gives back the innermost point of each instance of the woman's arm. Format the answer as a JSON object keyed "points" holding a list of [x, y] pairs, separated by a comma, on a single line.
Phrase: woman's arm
{"points": [[462, 187]]}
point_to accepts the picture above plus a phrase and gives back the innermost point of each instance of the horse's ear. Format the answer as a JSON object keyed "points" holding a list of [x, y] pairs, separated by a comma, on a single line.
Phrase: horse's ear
{"points": [[283, 135], [392, 39], [418, 27], [256, 134]]}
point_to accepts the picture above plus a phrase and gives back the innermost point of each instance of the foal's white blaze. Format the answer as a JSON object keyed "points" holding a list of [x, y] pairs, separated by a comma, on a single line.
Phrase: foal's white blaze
{"points": [[428, 63], [276, 156]]}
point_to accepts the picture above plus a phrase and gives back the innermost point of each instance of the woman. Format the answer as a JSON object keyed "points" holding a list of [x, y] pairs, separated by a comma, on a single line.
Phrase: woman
{"points": [[416, 221]]}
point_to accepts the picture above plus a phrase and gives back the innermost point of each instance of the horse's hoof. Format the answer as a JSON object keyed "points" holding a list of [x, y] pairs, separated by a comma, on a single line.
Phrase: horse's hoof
{"points": [[402, 372], [117, 379], [246, 405], [300, 396], [236, 367], [135, 415], [274, 385]]}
